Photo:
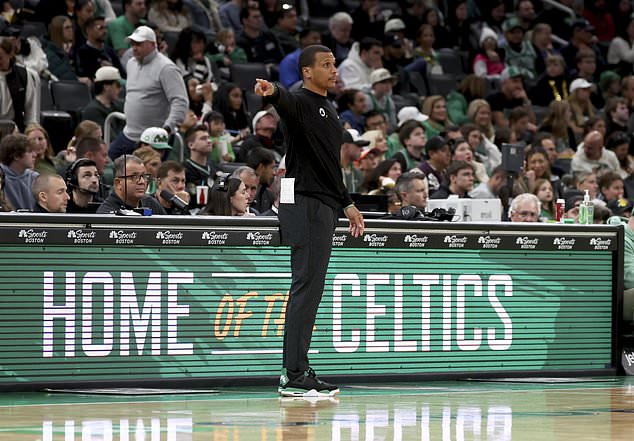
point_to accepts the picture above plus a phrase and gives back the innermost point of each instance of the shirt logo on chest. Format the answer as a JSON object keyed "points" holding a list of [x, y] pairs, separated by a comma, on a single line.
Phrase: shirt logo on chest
{"points": [[322, 112]]}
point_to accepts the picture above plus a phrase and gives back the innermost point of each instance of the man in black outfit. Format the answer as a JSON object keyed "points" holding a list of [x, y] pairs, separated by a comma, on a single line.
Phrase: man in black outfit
{"points": [[309, 202]]}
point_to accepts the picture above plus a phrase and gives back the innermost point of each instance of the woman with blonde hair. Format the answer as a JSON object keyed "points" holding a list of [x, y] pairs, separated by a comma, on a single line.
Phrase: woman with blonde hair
{"points": [[479, 113], [45, 160], [435, 107], [557, 122], [580, 104], [84, 129]]}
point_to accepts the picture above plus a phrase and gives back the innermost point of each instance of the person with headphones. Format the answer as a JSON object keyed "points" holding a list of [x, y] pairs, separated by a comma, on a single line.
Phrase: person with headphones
{"points": [[82, 180]]}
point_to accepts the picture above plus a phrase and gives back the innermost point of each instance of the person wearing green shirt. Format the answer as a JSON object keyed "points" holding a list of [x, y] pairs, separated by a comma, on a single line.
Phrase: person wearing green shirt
{"points": [[123, 26]]}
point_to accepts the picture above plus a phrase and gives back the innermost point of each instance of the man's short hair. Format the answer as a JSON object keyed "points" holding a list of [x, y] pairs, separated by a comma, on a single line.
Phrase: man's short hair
{"points": [[584, 54], [13, 147], [339, 18], [368, 43], [612, 103], [307, 55], [191, 133], [42, 183], [608, 178], [167, 167], [500, 171], [88, 144], [92, 20], [523, 197], [260, 155], [405, 181], [406, 130], [244, 12], [243, 169], [455, 167], [121, 163], [540, 136]]}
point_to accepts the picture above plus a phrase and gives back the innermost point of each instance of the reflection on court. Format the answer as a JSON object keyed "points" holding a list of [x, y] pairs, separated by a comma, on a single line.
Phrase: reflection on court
{"points": [[423, 411]]}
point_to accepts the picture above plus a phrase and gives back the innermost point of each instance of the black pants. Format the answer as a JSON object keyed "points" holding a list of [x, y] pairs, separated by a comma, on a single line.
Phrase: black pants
{"points": [[307, 226]]}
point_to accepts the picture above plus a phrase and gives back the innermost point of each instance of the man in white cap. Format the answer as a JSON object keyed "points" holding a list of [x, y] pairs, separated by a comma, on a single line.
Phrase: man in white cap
{"points": [[351, 149], [107, 87], [156, 138], [156, 94], [379, 97], [264, 127]]}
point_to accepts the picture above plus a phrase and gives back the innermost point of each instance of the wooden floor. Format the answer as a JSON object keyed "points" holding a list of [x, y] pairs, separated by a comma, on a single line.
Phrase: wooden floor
{"points": [[460, 410]]}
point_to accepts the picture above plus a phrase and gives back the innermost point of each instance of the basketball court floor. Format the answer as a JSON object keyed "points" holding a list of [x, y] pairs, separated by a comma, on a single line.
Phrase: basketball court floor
{"points": [[527, 409]]}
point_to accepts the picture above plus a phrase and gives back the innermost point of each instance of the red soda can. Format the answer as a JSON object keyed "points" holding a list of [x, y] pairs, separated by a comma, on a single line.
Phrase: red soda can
{"points": [[560, 207]]}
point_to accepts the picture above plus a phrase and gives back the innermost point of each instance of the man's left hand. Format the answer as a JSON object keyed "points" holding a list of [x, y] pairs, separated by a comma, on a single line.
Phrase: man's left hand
{"points": [[356, 221]]}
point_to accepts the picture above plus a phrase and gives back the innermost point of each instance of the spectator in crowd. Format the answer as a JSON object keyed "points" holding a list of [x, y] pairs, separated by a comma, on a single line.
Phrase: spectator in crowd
{"points": [[59, 47], [461, 151], [489, 60], [157, 139], [621, 207], [200, 96], [521, 124], [156, 94], [383, 177], [152, 161], [190, 57], [83, 11], [543, 46], [262, 161], [338, 38], [230, 14], [621, 49], [171, 178], [545, 193], [228, 197], [511, 95], [379, 97], [438, 159], [363, 58], [459, 181], [557, 19], [94, 53], [289, 66], [610, 85], [230, 103], [611, 186], [580, 104], [378, 142], [96, 150], [492, 188], [49, 192], [264, 127], [412, 190], [200, 170], [435, 107], [367, 162], [130, 183], [107, 89], [557, 122], [169, 15], [396, 27], [518, 51], [229, 52], [274, 189], [83, 179], [432, 18], [470, 88], [399, 60], [586, 69], [479, 113], [585, 181], [412, 137], [413, 16], [594, 157], [285, 29], [425, 49], [351, 148], [220, 139], [595, 11], [552, 85], [45, 159], [617, 115], [537, 167], [582, 39], [247, 175], [124, 25], [261, 46], [368, 19], [525, 208], [17, 159], [5, 205], [19, 89], [352, 107], [619, 143]]}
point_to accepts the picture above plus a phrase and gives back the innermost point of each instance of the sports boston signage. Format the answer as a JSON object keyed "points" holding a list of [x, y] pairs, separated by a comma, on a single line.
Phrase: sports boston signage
{"points": [[205, 299]]}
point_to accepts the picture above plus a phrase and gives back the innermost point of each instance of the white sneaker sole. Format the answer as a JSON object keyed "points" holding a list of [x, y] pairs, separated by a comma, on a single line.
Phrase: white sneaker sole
{"points": [[307, 394]]}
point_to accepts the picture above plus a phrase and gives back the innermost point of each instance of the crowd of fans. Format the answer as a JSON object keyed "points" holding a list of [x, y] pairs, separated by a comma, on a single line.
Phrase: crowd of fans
{"points": [[428, 92]]}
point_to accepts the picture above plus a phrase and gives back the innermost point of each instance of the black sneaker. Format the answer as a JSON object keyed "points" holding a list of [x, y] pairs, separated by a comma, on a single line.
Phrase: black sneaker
{"points": [[305, 384]]}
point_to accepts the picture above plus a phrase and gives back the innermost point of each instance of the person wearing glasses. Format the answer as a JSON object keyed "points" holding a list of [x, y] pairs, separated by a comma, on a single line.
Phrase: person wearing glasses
{"points": [[128, 192], [525, 208], [94, 53]]}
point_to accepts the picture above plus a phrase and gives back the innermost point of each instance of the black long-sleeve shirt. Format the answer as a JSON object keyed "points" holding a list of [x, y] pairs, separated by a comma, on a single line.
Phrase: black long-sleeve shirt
{"points": [[314, 137]]}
